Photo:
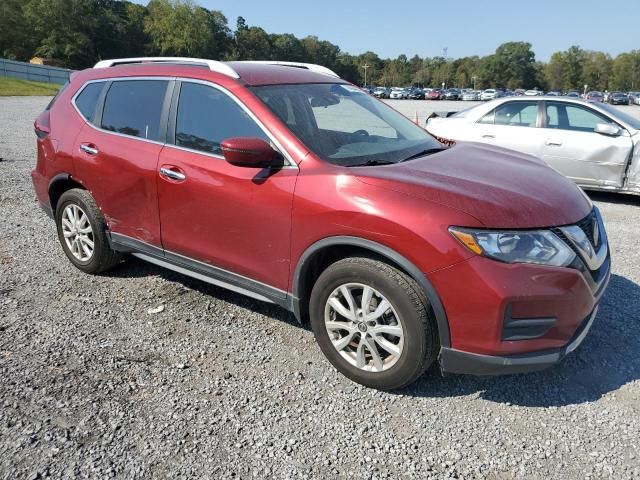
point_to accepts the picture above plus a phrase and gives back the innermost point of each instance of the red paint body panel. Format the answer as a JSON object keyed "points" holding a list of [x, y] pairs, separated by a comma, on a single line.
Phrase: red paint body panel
{"points": [[235, 218], [122, 179], [259, 223], [476, 293]]}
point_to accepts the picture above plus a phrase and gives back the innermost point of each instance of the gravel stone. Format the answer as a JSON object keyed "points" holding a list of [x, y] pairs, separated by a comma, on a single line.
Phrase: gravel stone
{"points": [[93, 387]]}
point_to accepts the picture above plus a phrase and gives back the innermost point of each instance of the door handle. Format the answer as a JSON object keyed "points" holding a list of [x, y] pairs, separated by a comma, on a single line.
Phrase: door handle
{"points": [[172, 174], [554, 143], [488, 135], [88, 149]]}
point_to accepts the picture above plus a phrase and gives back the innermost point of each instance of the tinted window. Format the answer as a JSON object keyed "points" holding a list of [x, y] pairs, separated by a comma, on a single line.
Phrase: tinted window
{"points": [[88, 99], [515, 114], [207, 116], [133, 107], [573, 117]]}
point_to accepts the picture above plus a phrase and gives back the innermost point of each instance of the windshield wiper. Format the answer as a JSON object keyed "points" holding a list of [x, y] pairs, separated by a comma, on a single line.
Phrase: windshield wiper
{"points": [[422, 153], [372, 163]]}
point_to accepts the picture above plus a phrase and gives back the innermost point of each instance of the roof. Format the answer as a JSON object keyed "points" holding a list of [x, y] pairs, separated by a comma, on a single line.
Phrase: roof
{"points": [[250, 72]]}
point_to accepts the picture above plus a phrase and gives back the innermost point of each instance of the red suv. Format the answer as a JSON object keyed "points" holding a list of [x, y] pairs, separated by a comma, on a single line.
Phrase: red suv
{"points": [[285, 183]]}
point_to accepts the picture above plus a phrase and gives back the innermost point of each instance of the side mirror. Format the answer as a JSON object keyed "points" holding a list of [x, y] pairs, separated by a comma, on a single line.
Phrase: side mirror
{"points": [[248, 152], [607, 129]]}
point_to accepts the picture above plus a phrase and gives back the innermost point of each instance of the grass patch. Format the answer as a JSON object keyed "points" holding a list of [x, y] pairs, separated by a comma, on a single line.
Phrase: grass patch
{"points": [[14, 86]]}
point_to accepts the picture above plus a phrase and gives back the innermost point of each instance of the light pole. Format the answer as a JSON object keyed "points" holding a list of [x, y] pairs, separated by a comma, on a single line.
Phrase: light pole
{"points": [[365, 66], [444, 68], [474, 81]]}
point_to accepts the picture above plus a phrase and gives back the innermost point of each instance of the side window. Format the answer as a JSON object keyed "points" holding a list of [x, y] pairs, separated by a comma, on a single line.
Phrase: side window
{"points": [[133, 107], [573, 117], [517, 114], [583, 120], [206, 116], [553, 115], [488, 118], [88, 99]]}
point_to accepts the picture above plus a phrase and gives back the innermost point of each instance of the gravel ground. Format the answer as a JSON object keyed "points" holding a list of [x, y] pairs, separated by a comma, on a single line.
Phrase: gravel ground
{"points": [[216, 385]]}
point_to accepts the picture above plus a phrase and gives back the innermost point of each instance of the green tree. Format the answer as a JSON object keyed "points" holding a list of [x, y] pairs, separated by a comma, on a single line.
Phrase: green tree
{"points": [[626, 71]]}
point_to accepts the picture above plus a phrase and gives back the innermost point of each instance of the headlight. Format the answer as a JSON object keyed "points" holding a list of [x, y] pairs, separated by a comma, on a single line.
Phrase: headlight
{"points": [[541, 247]]}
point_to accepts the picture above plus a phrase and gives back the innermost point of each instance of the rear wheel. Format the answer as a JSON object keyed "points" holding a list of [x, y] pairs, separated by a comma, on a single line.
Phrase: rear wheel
{"points": [[82, 232], [373, 323]]}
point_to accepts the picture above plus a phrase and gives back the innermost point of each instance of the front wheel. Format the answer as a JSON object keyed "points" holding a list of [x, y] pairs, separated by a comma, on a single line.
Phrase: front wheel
{"points": [[373, 323]]}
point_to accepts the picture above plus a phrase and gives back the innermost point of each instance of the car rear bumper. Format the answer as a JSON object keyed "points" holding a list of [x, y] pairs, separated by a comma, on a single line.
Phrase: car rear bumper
{"points": [[461, 362]]}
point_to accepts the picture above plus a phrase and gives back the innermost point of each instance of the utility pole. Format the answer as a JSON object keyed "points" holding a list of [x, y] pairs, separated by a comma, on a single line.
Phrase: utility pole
{"points": [[365, 66], [444, 70]]}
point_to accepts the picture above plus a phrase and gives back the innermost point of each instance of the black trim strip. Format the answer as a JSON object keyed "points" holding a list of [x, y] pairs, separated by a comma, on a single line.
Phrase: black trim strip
{"points": [[200, 270]]}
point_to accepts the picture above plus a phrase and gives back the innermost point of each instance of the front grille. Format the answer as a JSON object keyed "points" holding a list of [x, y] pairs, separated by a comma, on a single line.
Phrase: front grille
{"points": [[587, 226]]}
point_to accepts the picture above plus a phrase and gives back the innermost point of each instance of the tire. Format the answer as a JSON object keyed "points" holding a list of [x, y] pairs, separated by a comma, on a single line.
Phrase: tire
{"points": [[408, 309], [79, 202]]}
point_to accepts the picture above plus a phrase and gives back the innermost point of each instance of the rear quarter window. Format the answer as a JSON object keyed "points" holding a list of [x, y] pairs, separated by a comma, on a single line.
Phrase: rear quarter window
{"points": [[87, 100]]}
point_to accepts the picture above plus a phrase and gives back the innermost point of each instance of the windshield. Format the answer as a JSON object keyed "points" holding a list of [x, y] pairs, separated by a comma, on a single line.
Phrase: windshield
{"points": [[620, 115], [345, 126]]}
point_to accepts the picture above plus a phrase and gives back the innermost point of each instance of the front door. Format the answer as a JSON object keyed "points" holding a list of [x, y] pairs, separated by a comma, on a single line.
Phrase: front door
{"points": [[233, 218], [573, 148]]}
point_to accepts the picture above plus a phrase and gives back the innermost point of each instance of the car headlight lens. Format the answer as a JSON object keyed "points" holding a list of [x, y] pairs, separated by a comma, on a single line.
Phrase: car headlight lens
{"points": [[540, 247]]}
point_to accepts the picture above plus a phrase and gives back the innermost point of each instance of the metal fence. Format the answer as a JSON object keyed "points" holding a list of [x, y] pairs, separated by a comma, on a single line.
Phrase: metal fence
{"points": [[33, 72]]}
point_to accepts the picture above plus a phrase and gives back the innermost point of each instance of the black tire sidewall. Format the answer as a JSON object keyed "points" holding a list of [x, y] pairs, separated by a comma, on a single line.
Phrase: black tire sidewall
{"points": [[415, 336]]}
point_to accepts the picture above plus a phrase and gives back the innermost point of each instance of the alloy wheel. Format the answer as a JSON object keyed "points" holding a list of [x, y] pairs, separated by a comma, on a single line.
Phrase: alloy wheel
{"points": [[77, 232], [364, 327]]}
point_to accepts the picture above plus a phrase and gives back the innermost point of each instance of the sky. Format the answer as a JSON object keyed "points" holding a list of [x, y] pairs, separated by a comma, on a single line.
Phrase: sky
{"points": [[464, 27]]}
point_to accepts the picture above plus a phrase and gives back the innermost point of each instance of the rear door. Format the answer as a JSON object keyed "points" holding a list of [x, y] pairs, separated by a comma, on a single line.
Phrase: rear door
{"points": [[512, 125], [117, 151], [572, 147]]}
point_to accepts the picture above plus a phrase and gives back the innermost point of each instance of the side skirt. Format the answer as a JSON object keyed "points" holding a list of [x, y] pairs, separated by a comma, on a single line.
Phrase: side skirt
{"points": [[201, 271]]}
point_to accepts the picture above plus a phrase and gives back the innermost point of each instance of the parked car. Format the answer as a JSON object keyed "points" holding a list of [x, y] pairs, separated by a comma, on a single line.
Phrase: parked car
{"points": [[381, 92], [397, 93], [435, 94], [633, 97], [488, 94], [471, 95], [452, 94], [618, 98], [554, 93], [533, 93], [416, 94], [595, 96], [573, 94], [285, 183], [519, 92], [595, 145]]}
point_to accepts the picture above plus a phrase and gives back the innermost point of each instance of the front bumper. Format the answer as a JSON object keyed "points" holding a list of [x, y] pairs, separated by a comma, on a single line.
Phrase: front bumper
{"points": [[510, 318], [460, 362]]}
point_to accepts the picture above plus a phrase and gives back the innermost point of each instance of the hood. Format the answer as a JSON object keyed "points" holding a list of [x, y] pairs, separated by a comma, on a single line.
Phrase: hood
{"points": [[499, 187]]}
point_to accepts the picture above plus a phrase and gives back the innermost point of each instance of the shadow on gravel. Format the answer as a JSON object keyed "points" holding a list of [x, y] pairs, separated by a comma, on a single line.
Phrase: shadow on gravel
{"points": [[135, 268], [607, 360], [620, 198]]}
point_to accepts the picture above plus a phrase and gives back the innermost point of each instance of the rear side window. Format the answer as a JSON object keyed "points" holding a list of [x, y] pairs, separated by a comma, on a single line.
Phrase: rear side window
{"points": [[134, 107], [206, 116], [515, 114], [88, 99]]}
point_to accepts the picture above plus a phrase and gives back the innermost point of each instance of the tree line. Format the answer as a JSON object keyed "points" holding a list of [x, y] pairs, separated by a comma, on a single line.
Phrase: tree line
{"points": [[80, 32]]}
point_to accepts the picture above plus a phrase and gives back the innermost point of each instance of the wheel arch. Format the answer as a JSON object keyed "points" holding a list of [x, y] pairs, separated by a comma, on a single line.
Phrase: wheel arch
{"points": [[334, 248], [59, 184]]}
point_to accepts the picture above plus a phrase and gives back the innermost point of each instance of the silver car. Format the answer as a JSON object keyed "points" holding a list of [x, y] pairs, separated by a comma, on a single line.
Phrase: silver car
{"points": [[594, 144]]}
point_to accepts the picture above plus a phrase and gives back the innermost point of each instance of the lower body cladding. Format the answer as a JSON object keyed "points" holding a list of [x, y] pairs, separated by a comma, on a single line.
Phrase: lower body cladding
{"points": [[514, 318]]}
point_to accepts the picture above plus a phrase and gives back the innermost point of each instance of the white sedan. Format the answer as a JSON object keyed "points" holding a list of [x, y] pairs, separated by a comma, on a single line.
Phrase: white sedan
{"points": [[594, 144]]}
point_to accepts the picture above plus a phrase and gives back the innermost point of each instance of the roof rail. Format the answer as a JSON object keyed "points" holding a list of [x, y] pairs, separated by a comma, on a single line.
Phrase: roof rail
{"points": [[309, 66], [213, 65]]}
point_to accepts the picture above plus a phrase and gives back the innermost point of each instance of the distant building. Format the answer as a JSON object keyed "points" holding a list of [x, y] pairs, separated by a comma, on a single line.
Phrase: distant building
{"points": [[47, 61]]}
